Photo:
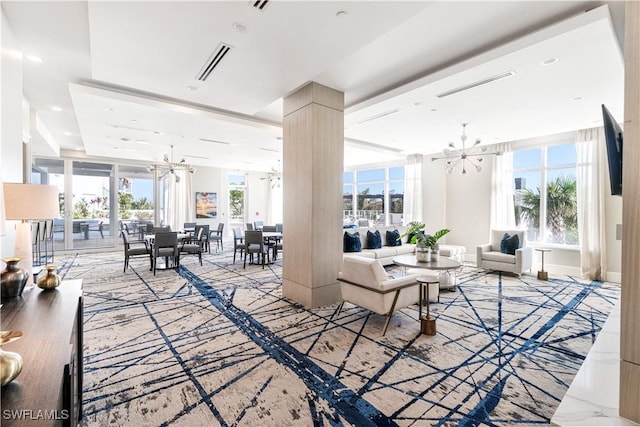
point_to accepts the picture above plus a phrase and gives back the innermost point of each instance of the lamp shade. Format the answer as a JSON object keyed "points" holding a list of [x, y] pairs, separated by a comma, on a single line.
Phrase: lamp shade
{"points": [[30, 201]]}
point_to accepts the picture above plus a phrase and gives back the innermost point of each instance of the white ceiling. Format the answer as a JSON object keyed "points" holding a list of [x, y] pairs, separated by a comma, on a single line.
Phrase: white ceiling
{"points": [[124, 74]]}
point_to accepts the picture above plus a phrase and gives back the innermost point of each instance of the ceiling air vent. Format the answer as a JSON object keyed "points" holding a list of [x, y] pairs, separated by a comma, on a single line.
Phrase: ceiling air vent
{"points": [[213, 61], [478, 83], [258, 4], [215, 141]]}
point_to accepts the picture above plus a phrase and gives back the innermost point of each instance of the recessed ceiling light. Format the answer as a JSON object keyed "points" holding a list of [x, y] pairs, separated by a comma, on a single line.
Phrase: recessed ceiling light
{"points": [[549, 61], [577, 98], [142, 141], [155, 132], [134, 121], [434, 109], [278, 138], [342, 15], [192, 88], [67, 133], [34, 58], [417, 103], [56, 108], [240, 27], [109, 109]]}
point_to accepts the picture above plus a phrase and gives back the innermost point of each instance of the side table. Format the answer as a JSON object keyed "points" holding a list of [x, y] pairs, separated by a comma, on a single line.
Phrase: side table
{"points": [[427, 323], [542, 275]]}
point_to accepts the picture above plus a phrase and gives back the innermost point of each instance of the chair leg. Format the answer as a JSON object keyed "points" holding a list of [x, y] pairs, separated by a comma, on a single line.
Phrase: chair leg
{"points": [[393, 306]]}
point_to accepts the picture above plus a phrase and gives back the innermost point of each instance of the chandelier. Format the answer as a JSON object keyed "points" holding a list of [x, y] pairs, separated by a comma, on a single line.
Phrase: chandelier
{"points": [[275, 176], [169, 167], [472, 155]]}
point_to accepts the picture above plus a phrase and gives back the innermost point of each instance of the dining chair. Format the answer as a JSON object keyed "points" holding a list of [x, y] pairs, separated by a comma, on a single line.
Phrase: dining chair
{"points": [[165, 246], [194, 245], [205, 236], [189, 227], [238, 243], [279, 227], [134, 248], [254, 244], [249, 226], [216, 236], [269, 228], [163, 229], [257, 225]]}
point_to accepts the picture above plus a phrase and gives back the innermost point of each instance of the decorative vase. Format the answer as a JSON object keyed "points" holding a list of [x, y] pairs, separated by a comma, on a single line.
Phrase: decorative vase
{"points": [[422, 253], [13, 278], [10, 362], [50, 280], [435, 255]]}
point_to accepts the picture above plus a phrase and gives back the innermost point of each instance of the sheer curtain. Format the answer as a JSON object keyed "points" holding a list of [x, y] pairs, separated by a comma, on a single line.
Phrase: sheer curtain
{"points": [[179, 200], [502, 210], [590, 183], [412, 206]]}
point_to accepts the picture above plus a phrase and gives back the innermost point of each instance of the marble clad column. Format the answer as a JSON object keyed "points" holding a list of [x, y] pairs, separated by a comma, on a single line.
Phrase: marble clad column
{"points": [[630, 298], [313, 163]]}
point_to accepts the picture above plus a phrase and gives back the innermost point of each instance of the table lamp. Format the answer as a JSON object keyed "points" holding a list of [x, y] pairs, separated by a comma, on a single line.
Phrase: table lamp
{"points": [[26, 202]]}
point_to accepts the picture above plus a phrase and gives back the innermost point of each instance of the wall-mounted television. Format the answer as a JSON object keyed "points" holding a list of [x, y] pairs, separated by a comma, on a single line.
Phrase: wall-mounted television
{"points": [[613, 142]]}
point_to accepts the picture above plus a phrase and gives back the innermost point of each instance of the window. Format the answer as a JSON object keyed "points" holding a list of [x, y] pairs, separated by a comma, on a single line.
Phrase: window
{"points": [[545, 193], [377, 195], [237, 187]]}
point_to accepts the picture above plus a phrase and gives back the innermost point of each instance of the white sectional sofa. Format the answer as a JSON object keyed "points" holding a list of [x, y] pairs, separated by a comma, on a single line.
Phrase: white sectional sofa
{"points": [[386, 253]]}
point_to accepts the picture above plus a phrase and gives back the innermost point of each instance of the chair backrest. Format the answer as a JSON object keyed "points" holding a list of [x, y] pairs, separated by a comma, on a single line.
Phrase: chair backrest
{"points": [[252, 237], [220, 227], [49, 229], [364, 271], [279, 228], [165, 240], [258, 225], [205, 231], [125, 239], [163, 229], [189, 225], [269, 228], [237, 233], [496, 238], [249, 226], [199, 233]]}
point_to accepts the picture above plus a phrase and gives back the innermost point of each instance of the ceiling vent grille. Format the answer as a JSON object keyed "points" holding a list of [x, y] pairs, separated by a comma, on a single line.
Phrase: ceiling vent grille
{"points": [[259, 4], [213, 61], [478, 83], [215, 141]]}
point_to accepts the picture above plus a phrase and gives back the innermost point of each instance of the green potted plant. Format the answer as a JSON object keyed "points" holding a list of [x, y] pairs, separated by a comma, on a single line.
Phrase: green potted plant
{"points": [[431, 241]]}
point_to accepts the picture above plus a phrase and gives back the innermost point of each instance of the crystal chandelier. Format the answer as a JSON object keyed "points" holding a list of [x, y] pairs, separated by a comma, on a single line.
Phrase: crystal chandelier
{"points": [[170, 167], [472, 155]]}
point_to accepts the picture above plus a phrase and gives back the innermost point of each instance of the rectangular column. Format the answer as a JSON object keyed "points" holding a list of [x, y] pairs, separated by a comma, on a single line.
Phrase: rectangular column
{"points": [[313, 164], [630, 297]]}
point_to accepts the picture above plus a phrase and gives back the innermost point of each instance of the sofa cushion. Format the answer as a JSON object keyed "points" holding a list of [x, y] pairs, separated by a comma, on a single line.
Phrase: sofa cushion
{"points": [[384, 252], [393, 238], [498, 257], [509, 244], [351, 242], [374, 240]]}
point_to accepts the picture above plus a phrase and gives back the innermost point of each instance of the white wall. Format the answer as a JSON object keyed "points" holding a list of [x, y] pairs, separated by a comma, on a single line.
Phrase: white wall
{"points": [[10, 120], [215, 180], [467, 210]]}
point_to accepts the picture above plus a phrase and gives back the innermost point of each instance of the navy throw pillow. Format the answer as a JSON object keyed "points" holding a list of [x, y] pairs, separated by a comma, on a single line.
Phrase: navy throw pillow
{"points": [[351, 242], [393, 238], [509, 244], [374, 240]]}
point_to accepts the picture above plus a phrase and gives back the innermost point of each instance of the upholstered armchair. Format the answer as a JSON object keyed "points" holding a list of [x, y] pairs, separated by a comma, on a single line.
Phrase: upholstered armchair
{"points": [[364, 282], [490, 256]]}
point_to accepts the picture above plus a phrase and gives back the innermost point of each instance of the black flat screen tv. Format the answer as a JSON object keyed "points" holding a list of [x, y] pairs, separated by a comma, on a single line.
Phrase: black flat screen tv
{"points": [[613, 142]]}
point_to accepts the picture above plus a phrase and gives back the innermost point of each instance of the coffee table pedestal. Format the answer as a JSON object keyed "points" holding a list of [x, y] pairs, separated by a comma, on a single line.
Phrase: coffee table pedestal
{"points": [[427, 323]]}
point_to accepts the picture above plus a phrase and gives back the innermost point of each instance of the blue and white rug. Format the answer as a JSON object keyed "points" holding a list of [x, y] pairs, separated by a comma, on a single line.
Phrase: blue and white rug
{"points": [[218, 345]]}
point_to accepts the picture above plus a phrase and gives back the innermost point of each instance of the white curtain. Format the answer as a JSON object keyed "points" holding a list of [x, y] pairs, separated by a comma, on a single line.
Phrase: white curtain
{"points": [[179, 200], [502, 210], [412, 206], [590, 182]]}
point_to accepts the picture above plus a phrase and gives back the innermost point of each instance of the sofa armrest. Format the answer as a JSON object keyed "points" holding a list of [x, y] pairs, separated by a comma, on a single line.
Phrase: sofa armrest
{"points": [[524, 259], [481, 249]]}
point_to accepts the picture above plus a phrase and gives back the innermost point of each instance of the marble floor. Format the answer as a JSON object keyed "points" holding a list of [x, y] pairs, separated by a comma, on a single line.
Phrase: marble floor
{"points": [[592, 398]]}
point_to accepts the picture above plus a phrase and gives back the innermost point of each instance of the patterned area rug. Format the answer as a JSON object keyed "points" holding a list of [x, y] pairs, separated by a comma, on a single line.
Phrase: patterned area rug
{"points": [[218, 345]]}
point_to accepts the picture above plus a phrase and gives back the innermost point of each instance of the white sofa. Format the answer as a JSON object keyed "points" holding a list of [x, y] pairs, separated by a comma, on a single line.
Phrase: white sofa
{"points": [[490, 257], [386, 253], [365, 283]]}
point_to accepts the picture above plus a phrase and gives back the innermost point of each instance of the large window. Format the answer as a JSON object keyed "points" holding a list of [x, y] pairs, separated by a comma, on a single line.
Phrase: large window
{"points": [[374, 195], [237, 189], [545, 193]]}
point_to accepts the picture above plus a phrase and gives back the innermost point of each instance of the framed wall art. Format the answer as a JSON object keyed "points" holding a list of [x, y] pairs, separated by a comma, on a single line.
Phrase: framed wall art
{"points": [[206, 205]]}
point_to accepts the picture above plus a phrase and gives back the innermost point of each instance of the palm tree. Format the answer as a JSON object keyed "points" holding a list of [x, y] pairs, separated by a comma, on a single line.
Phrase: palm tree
{"points": [[562, 209]]}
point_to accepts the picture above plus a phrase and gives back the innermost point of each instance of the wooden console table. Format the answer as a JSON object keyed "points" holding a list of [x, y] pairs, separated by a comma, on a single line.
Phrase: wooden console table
{"points": [[48, 391]]}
